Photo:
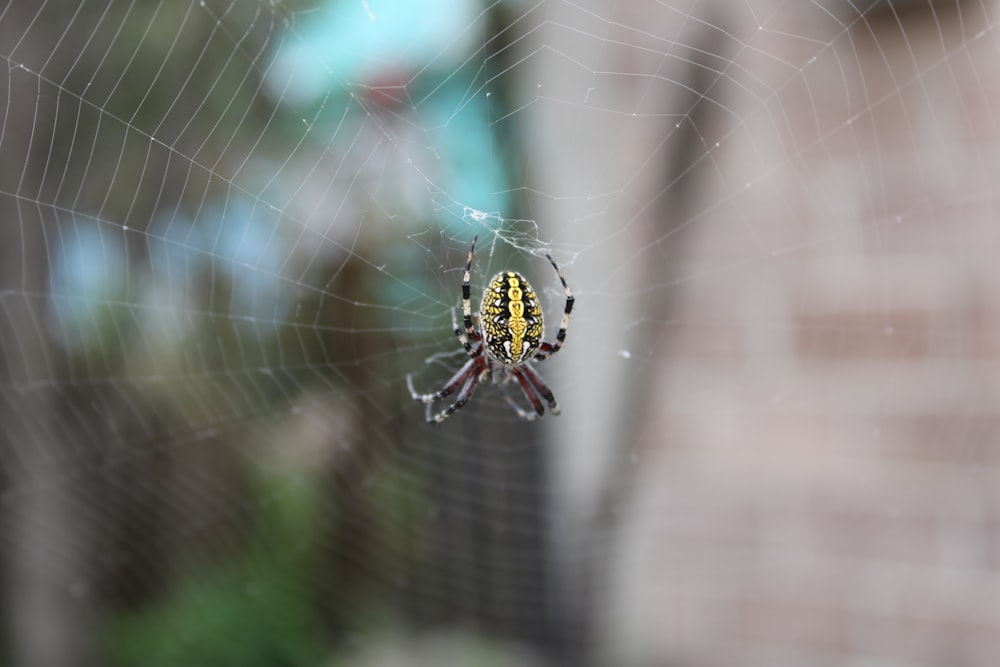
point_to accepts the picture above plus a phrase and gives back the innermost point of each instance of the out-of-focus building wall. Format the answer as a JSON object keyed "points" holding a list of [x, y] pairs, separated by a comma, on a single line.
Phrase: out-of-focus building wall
{"points": [[816, 479]]}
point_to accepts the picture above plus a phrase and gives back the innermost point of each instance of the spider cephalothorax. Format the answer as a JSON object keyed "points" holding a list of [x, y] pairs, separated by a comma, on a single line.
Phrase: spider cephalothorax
{"points": [[509, 336]]}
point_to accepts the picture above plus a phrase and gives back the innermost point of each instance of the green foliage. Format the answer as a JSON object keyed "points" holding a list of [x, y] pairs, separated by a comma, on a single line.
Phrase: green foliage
{"points": [[262, 607], [257, 610], [252, 614]]}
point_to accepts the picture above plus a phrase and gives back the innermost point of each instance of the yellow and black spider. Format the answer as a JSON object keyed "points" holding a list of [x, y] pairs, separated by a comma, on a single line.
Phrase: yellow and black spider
{"points": [[508, 337]]}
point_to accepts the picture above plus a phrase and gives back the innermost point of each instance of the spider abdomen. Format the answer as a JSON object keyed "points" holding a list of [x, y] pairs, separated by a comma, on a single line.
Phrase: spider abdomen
{"points": [[511, 319]]}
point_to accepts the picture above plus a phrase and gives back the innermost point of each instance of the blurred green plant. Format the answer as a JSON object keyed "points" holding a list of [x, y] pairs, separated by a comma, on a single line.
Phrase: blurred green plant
{"points": [[256, 610], [248, 614], [264, 607]]}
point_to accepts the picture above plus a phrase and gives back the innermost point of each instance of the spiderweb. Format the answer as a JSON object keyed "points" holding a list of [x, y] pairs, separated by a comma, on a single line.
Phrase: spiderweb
{"points": [[232, 229]]}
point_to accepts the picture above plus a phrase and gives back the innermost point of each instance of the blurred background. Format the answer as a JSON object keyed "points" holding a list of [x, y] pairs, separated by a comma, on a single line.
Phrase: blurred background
{"points": [[230, 229]]}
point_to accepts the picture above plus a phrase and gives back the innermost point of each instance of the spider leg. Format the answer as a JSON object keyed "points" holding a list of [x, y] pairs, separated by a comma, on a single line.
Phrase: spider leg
{"points": [[468, 389], [521, 412], [529, 393], [541, 387], [467, 378], [467, 293], [464, 339], [546, 349], [456, 381]]}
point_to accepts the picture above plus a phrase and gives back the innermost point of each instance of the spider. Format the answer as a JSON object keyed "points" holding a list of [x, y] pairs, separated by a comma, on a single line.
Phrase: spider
{"points": [[508, 336]]}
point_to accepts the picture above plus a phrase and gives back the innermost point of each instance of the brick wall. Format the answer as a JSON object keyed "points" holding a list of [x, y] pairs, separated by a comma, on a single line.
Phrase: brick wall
{"points": [[820, 484]]}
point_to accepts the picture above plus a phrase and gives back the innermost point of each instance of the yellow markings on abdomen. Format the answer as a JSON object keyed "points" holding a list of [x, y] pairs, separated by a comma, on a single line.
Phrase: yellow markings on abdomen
{"points": [[510, 318], [516, 323]]}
